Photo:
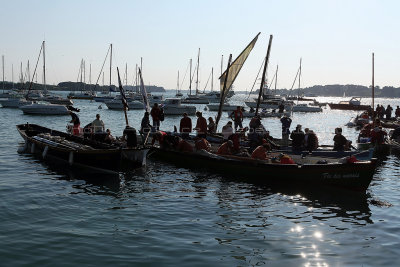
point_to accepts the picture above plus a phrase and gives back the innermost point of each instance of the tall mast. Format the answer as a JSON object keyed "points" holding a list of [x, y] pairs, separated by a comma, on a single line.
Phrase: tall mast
{"points": [[12, 75], [29, 73], [84, 75], [212, 78], [81, 74], [90, 74], [103, 78], [263, 75], [2, 57], [190, 83], [197, 75], [44, 67], [126, 74], [298, 94], [373, 85], [110, 65], [136, 80], [276, 77], [222, 62], [177, 84], [21, 75]]}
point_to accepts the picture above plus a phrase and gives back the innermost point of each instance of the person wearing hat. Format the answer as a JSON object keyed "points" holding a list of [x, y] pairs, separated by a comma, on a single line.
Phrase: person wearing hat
{"points": [[185, 126], [339, 141], [298, 138]]}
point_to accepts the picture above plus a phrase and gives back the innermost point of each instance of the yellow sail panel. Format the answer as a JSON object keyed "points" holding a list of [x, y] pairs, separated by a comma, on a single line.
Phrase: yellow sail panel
{"points": [[235, 67]]}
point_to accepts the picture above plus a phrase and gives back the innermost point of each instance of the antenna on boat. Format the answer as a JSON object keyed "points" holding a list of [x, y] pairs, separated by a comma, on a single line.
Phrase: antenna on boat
{"points": [[263, 75]]}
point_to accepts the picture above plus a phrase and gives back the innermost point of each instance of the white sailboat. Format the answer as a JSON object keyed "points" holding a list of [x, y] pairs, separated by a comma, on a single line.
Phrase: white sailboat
{"points": [[44, 108], [173, 106]]}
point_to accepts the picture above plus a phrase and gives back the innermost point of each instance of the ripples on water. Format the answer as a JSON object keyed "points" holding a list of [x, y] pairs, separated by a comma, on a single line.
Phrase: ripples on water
{"points": [[167, 215]]}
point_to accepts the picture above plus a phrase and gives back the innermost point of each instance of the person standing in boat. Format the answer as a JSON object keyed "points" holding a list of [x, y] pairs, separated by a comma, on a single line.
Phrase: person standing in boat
{"points": [[98, 125], [145, 125], [201, 125], [76, 123], [255, 123], [156, 116], [340, 142], [397, 112], [286, 122], [227, 130], [237, 117], [297, 137], [185, 126], [388, 112], [378, 136], [281, 107], [211, 126]]}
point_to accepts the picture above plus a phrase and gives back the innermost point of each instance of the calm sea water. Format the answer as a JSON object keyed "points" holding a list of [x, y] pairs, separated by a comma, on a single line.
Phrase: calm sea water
{"points": [[164, 215]]}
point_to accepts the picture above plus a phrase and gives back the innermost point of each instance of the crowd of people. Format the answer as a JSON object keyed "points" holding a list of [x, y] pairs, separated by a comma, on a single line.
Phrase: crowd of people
{"points": [[252, 141]]}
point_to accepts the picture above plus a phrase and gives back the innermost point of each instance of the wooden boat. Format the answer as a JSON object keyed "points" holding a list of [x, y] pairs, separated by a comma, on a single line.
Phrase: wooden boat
{"points": [[75, 150], [353, 104], [310, 172]]}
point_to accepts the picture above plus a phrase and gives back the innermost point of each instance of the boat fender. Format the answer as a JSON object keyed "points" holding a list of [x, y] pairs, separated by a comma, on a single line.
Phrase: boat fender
{"points": [[71, 158], [33, 148], [45, 151]]}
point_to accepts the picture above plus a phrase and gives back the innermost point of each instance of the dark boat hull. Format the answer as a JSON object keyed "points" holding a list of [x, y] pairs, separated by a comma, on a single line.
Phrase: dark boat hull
{"points": [[354, 176], [87, 153], [349, 107]]}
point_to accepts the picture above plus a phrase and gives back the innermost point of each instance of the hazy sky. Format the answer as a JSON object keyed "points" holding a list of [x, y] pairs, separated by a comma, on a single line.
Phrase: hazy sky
{"points": [[335, 39]]}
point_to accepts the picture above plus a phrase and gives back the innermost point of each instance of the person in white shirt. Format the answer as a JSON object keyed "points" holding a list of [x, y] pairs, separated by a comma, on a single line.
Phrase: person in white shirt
{"points": [[98, 125]]}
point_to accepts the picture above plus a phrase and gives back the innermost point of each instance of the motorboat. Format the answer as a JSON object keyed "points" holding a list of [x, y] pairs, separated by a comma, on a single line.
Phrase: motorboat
{"points": [[305, 108], [173, 106], [117, 104], [44, 108], [14, 102], [225, 107], [57, 100], [353, 104], [82, 95], [193, 99]]}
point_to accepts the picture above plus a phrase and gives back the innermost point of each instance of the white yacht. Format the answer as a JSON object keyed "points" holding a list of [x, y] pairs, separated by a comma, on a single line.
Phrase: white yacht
{"points": [[306, 108], [193, 99], [44, 108], [117, 104], [173, 106], [225, 107], [14, 102]]}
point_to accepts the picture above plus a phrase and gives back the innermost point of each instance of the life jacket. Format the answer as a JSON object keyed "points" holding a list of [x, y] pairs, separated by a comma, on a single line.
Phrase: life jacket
{"points": [[287, 160]]}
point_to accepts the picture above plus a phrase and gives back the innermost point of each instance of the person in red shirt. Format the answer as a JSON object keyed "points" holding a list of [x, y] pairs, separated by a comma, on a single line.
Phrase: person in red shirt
{"points": [[202, 143], [201, 125], [378, 135], [285, 159], [226, 148], [159, 136], [237, 117], [261, 152], [156, 115], [185, 126]]}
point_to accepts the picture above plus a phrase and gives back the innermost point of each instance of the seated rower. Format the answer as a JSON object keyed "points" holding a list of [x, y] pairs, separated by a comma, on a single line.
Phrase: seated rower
{"points": [[285, 159], [184, 146], [261, 152], [202, 143], [109, 138], [226, 148]]}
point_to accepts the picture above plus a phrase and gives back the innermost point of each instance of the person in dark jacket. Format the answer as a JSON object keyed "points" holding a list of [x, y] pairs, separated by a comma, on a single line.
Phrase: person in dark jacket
{"points": [[312, 141], [201, 125], [145, 126], [185, 126], [298, 138], [340, 142], [156, 115]]}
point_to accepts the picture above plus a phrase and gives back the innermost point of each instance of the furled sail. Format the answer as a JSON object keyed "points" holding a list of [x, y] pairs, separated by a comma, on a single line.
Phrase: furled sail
{"points": [[235, 67]]}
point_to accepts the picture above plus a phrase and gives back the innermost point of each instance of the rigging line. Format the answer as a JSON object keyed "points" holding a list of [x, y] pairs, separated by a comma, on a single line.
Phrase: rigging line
{"points": [[37, 62], [273, 78], [184, 75], [251, 90], [295, 78], [108, 51], [207, 83]]}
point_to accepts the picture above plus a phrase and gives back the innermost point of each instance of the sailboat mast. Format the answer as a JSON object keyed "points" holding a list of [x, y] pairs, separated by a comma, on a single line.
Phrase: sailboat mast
{"points": [[212, 78], [276, 78], [298, 94], [197, 75], [110, 66], [81, 75], [2, 58], [136, 79], [263, 75], [29, 73], [44, 67], [222, 62], [103, 78], [126, 74], [190, 83], [373, 85], [12, 75], [177, 84]]}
